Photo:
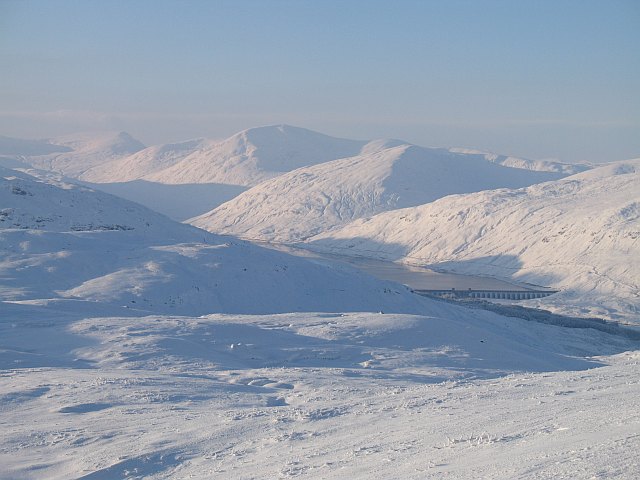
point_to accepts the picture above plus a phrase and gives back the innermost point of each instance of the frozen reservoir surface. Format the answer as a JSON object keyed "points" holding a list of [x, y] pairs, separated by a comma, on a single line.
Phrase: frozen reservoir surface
{"points": [[415, 277]]}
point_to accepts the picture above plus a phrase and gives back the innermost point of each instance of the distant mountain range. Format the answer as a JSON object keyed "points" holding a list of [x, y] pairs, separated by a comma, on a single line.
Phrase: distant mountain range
{"points": [[119, 164], [573, 227]]}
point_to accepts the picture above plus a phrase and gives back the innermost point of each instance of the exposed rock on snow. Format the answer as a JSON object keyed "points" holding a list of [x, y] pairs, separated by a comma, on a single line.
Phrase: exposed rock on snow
{"points": [[56, 206]]}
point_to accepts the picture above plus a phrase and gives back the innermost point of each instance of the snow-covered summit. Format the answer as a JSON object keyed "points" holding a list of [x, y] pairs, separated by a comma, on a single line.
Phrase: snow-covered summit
{"points": [[110, 143], [311, 200], [254, 155]]}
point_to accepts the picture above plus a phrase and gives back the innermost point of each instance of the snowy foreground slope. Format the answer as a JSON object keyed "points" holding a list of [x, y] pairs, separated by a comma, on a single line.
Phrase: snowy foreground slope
{"points": [[73, 245], [580, 234], [310, 200], [314, 396], [135, 347]]}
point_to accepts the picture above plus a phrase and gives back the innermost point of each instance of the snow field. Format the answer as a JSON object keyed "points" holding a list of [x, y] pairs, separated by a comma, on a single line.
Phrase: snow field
{"points": [[317, 396]]}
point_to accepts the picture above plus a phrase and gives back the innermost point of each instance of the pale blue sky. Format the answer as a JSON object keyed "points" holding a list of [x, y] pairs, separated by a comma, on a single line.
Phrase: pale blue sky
{"points": [[543, 79]]}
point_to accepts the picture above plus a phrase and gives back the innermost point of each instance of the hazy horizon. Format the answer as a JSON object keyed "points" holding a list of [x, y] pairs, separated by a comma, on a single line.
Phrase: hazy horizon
{"points": [[532, 79]]}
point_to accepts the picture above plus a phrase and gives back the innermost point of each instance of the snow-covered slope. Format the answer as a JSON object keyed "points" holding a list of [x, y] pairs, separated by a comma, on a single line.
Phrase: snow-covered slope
{"points": [[311, 200], [87, 150], [580, 234], [64, 243], [528, 164], [128, 353], [254, 155], [30, 204], [145, 162]]}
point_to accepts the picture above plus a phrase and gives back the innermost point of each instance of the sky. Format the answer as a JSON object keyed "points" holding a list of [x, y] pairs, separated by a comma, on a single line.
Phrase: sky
{"points": [[540, 79]]}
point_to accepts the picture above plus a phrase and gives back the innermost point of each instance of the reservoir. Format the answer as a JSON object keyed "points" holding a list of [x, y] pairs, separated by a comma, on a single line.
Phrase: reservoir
{"points": [[426, 281]]}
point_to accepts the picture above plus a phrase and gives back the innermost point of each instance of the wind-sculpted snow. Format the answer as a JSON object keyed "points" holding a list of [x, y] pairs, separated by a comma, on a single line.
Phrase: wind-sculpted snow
{"points": [[132, 346], [454, 393], [580, 234], [312, 200]]}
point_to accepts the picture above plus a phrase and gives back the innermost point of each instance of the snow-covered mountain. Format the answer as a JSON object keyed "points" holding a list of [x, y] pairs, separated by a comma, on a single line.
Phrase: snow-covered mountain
{"points": [[580, 234], [132, 346], [84, 151], [310, 200], [254, 155], [145, 162], [64, 243], [118, 164]]}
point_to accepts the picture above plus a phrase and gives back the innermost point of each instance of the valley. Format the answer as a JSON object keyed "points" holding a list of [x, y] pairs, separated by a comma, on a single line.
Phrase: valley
{"points": [[279, 334]]}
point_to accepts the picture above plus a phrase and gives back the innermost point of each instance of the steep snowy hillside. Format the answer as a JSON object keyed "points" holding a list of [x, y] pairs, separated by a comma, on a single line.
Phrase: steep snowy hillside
{"points": [[580, 234], [257, 154], [63, 243], [145, 162], [87, 150], [527, 164], [315, 199]]}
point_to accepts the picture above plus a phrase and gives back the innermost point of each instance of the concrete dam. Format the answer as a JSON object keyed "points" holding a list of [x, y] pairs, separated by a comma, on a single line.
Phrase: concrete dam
{"points": [[490, 294]]}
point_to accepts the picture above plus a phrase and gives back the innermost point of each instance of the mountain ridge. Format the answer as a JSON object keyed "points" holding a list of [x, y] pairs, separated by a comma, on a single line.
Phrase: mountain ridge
{"points": [[304, 202]]}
